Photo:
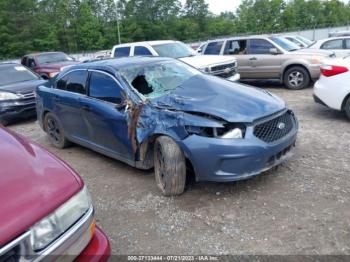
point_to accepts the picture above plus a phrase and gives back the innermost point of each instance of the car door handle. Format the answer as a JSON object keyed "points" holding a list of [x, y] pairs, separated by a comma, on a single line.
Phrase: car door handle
{"points": [[253, 59]]}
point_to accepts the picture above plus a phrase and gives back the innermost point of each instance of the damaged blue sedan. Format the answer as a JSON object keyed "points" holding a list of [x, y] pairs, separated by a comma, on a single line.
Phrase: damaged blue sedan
{"points": [[159, 112]]}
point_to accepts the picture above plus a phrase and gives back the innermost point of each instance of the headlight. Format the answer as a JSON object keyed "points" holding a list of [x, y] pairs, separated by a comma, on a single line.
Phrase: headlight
{"points": [[53, 74], [228, 132], [51, 227], [8, 96], [205, 69], [234, 133]]}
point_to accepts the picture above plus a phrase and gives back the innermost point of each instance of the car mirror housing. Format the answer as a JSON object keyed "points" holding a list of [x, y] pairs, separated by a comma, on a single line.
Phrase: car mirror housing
{"points": [[274, 51]]}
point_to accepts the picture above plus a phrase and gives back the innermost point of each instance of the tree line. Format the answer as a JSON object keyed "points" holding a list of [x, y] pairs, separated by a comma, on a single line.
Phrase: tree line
{"points": [[80, 25]]}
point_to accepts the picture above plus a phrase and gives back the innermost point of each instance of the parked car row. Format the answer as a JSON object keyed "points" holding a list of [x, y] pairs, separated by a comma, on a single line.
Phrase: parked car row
{"points": [[153, 105], [270, 57]]}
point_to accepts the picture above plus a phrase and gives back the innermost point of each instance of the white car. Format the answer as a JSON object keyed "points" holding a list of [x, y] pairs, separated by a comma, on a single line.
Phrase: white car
{"points": [[225, 67], [339, 45], [333, 87]]}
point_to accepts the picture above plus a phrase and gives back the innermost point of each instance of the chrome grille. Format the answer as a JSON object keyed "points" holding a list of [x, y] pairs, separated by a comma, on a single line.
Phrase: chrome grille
{"points": [[29, 95], [276, 128], [223, 67]]}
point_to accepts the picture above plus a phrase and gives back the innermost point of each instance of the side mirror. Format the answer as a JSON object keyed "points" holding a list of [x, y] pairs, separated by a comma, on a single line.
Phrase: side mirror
{"points": [[274, 51], [199, 50]]}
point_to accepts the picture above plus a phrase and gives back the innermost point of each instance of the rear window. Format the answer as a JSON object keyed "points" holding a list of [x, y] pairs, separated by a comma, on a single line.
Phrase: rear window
{"points": [[10, 74], [122, 52]]}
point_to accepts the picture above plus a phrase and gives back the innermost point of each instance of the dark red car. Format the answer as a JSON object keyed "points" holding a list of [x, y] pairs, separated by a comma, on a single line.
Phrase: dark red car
{"points": [[48, 64], [46, 211]]}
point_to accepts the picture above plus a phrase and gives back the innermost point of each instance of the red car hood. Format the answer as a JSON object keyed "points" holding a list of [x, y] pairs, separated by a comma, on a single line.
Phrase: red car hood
{"points": [[33, 183], [58, 65]]}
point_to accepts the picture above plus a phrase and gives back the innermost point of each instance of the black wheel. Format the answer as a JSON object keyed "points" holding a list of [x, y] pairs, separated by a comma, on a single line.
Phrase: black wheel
{"points": [[169, 166], [347, 108], [55, 132], [45, 77], [296, 78]]}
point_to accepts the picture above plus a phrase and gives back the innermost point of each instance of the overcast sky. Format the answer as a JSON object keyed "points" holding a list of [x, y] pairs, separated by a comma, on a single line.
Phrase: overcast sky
{"points": [[218, 6]]}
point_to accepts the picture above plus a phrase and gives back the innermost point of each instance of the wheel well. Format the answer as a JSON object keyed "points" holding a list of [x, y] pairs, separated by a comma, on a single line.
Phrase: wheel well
{"points": [[295, 65], [344, 101], [44, 76], [145, 155]]}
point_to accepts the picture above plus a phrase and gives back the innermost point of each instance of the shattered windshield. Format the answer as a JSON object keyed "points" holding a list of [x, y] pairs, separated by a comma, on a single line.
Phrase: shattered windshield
{"points": [[158, 79]]}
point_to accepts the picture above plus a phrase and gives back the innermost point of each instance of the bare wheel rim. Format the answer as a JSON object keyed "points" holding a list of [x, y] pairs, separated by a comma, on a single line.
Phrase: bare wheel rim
{"points": [[161, 167], [295, 78], [53, 130]]}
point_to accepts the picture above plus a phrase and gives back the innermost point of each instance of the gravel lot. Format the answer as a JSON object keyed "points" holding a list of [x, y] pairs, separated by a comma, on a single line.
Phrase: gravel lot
{"points": [[300, 208]]}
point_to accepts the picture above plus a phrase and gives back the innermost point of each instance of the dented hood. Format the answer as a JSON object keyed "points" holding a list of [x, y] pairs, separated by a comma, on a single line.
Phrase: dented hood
{"points": [[220, 98]]}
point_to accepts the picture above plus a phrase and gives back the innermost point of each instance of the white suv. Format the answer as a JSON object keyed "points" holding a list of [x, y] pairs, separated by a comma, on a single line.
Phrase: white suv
{"points": [[225, 67]]}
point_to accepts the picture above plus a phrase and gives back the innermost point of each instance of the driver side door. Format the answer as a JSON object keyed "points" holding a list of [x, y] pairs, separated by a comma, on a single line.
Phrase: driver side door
{"points": [[107, 126]]}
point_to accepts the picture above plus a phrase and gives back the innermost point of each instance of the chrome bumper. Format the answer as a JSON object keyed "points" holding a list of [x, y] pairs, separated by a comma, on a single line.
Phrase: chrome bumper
{"points": [[65, 248]]}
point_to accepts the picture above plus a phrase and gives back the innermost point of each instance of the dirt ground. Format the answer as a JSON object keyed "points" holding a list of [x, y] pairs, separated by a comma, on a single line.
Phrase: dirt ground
{"points": [[300, 208]]}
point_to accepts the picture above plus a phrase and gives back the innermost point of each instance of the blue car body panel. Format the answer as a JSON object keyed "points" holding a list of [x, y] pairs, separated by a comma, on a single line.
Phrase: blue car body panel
{"points": [[202, 101]]}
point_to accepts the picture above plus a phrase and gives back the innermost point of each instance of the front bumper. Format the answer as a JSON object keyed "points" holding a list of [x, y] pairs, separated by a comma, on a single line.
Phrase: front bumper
{"points": [[17, 109], [98, 250], [223, 160]]}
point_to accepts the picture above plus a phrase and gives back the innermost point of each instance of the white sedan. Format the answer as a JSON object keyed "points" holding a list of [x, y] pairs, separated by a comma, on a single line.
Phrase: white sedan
{"points": [[339, 45], [333, 87]]}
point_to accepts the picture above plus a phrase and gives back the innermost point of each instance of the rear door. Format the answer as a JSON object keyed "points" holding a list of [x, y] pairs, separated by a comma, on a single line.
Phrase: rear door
{"points": [[238, 49], [263, 64], [106, 124], [69, 90]]}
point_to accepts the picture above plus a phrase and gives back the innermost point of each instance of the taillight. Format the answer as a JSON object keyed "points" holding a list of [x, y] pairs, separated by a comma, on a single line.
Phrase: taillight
{"points": [[330, 70]]}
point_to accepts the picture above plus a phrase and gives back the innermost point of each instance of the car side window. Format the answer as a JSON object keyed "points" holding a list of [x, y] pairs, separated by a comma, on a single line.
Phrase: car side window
{"points": [[235, 47], [347, 43], [259, 46], [214, 48], [141, 51], [105, 88], [31, 62], [74, 82], [333, 44], [122, 52]]}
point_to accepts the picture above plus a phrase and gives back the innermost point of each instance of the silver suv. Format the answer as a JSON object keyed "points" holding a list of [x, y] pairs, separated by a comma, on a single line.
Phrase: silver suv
{"points": [[270, 57]]}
